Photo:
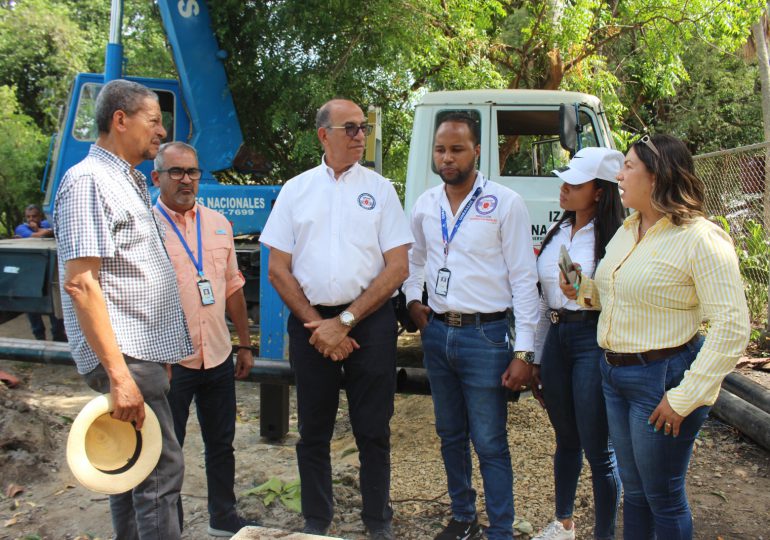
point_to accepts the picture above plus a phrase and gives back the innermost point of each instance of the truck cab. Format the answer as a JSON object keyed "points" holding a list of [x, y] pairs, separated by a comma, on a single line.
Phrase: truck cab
{"points": [[525, 134]]}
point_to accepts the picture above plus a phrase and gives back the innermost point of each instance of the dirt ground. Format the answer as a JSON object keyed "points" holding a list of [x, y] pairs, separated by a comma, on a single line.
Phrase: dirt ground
{"points": [[728, 483]]}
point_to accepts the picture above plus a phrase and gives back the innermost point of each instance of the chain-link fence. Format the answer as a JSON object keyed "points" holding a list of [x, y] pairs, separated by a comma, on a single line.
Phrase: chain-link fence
{"points": [[735, 190]]}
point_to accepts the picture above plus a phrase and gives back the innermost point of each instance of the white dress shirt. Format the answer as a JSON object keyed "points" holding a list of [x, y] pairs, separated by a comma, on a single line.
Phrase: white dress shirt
{"points": [[336, 230], [490, 258], [581, 251]]}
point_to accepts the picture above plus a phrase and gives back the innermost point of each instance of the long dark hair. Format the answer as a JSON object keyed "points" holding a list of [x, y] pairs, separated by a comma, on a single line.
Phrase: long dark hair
{"points": [[608, 217]]}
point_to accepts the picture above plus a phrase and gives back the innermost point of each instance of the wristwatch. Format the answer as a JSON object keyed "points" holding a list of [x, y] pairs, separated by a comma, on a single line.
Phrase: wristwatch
{"points": [[348, 319], [526, 356]]}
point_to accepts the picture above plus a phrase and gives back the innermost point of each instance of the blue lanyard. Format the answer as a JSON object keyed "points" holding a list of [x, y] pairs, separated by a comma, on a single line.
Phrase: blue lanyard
{"points": [[199, 263], [445, 233]]}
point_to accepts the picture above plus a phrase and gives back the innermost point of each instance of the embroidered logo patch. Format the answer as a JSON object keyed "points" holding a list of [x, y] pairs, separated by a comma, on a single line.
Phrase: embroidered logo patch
{"points": [[486, 205], [366, 201]]}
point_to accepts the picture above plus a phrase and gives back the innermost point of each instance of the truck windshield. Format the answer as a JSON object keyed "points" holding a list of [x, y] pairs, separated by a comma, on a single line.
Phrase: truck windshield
{"points": [[84, 128], [528, 141]]}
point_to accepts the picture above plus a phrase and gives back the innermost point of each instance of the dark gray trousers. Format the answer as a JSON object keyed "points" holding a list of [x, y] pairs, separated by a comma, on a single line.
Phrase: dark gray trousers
{"points": [[149, 511]]}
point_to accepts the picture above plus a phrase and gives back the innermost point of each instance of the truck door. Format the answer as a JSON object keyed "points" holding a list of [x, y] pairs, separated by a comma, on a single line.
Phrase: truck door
{"points": [[524, 148]]}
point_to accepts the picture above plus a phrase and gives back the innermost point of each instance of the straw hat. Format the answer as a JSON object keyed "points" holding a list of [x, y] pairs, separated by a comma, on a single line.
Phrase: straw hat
{"points": [[110, 456]]}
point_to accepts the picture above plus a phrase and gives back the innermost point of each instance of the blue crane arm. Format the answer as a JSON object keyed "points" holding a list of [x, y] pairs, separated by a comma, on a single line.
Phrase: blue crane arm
{"points": [[216, 132]]}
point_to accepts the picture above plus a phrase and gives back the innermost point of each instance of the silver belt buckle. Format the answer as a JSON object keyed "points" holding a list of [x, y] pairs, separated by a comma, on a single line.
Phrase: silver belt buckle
{"points": [[453, 318], [554, 316]]}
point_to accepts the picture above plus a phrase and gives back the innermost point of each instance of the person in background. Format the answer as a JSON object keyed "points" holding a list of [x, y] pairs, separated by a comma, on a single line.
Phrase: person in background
{"points": [[200, 244], [567, 355], [338, 241], [473, 251], [35, 226], [665, 270]]}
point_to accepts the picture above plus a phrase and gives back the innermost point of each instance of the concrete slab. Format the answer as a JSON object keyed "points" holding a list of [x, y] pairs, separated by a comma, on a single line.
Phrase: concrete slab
{"points": [[265, 533]]}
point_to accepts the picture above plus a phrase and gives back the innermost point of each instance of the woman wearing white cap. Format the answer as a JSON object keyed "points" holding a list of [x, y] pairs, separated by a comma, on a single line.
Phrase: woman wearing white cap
{"points": [[666, 269], [565, 344]]}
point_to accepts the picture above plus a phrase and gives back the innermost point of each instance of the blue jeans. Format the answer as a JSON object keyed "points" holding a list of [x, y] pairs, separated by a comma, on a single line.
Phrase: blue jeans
{"points": [[572, 382], [652, 465], [465, 365], [214, 393], [38, 327]]}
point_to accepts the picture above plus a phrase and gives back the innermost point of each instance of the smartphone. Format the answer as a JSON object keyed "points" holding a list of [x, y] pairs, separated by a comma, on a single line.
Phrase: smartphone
{"points": [[566, 266]]}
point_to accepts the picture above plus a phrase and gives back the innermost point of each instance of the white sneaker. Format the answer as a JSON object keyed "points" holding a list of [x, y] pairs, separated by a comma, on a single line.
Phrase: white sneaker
{"points": [[556, 531]]}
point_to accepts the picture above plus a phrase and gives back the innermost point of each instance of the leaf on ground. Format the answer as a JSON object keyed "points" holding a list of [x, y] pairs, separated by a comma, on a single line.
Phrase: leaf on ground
{"points": [[63, 490], [348, 451], [720, 494], [273, 484], [523, 526], [10, 522], [13, 489]]}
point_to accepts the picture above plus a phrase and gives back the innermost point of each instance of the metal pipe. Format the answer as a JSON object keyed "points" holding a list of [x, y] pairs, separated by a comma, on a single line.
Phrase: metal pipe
{"points": [[113, 56], [745, 417], [746, 389]]}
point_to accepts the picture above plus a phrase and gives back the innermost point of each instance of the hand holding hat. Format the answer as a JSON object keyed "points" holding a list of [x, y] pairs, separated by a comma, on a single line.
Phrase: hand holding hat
{"points": [[110, 456]]}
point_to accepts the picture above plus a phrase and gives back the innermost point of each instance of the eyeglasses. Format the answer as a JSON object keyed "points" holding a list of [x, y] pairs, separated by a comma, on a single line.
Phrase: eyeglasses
{"points": [[649, 144], [177, 173], [351, 129]]}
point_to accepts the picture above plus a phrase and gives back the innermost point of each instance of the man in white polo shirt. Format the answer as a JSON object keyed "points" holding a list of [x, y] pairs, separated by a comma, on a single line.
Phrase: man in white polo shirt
{"points": [[338, 241], [473, 252]]}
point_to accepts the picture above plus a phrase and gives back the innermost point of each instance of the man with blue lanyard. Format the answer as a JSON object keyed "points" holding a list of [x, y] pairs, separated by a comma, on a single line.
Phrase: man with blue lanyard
{"points": [[473, 253], [200, 244]]}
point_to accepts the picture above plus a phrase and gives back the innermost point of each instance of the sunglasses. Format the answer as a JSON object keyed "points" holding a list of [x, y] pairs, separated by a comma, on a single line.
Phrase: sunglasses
{"points": [[177, 173], [351, 129], [649, 144]]}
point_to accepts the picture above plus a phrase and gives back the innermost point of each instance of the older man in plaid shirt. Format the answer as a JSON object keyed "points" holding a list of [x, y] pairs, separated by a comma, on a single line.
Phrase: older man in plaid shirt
{"points": [[121, 304]]}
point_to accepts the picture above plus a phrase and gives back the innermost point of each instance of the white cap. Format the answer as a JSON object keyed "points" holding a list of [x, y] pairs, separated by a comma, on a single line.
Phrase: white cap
{"points": [[590, 163]]}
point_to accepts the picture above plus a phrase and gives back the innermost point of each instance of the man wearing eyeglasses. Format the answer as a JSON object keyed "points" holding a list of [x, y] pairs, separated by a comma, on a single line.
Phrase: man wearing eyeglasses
{"points": [[338, 241], [200, 244]]}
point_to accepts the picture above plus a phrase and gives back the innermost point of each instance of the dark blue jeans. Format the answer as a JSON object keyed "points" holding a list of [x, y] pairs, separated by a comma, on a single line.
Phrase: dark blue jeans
{"points": [[214, 393], [465, 365], [38, 327], [572, 388], [652, 465], [369, 378]]}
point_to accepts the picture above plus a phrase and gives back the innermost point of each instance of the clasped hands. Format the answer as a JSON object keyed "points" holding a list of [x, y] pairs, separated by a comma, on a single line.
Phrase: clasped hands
{"points": [[330, 338]]}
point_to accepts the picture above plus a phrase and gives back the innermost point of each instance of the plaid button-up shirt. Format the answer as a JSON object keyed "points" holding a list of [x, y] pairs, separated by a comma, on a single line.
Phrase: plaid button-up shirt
{"points": [[103, 210]]}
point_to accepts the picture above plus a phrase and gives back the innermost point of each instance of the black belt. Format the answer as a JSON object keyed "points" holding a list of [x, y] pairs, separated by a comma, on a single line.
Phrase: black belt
{"points": [[642, 358], [327, 312], [557, 316], [455, 318]]}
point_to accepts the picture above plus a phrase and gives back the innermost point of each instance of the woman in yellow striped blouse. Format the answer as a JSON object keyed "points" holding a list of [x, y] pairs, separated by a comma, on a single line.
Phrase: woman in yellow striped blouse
{"points": [[665, 270]]}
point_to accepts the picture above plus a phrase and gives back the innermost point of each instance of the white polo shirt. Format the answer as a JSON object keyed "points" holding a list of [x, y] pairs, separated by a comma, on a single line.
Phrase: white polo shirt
{"points": [[336, 230], [490, 258]]}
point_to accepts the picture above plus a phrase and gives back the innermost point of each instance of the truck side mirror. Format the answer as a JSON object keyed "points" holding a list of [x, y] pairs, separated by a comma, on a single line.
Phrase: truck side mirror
{"points": [[568, 127]]}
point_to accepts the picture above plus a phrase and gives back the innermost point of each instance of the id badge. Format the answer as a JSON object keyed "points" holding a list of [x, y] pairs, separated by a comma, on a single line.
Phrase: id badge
{"points": [[442, 281], [207, 293]]}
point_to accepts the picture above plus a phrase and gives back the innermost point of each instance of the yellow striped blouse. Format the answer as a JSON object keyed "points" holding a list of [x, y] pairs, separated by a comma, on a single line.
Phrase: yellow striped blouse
{"points": [[654, 294]]}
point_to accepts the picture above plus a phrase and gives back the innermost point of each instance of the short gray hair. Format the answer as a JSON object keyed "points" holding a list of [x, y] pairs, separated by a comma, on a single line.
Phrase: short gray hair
{"points": [[159, 161], [119, 95], [34, 207]]}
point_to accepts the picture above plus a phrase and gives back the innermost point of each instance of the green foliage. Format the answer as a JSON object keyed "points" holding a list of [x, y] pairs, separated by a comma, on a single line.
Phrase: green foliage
{"points": [[753, 249], [22, 156], [275, 489], [41, 49]]}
